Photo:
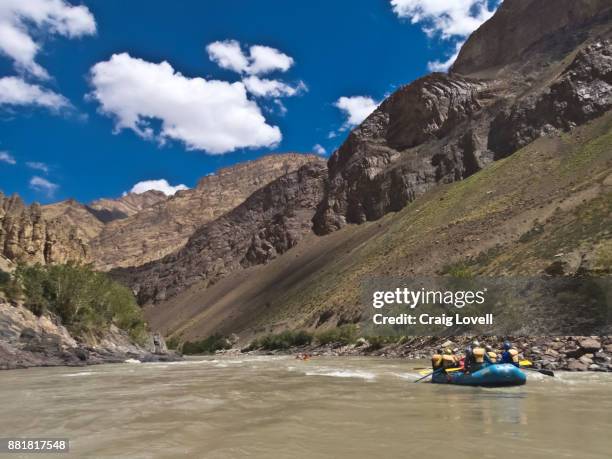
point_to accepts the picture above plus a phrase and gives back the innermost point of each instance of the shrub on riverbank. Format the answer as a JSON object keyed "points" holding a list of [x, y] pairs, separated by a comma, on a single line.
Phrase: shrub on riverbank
{"points": [[378, 342], [283, 340], [86, 301], [207, 346], [343, 335]]}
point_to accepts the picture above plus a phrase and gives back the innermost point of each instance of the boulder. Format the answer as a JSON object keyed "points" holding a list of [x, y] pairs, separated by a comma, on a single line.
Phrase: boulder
{"points": [[576, 365], [589, 345]]}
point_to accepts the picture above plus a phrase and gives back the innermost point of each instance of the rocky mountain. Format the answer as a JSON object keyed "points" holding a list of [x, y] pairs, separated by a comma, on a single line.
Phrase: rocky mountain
{"points": [[73, 214], [164, 227], [270, 222], [107, 210], [545, 209], [135, 228], [501, 167], [523, 74], [26, 235]]}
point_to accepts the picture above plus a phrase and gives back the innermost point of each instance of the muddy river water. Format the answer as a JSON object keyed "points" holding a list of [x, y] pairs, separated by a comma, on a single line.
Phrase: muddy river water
{"points": [[280, 407]]}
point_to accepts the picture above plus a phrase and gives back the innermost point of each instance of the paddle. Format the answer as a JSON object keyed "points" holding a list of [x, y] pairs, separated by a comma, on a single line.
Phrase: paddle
{"points": [[429, 374], [448, 370], [527, 363], [543, 371]]}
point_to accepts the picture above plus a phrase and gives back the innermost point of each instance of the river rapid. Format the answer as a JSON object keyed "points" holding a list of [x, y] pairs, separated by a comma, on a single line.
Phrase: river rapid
{"points": [[280, 407]]}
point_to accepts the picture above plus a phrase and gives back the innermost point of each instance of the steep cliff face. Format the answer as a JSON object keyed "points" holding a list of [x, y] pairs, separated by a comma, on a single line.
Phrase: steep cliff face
{"points": [[27, 236], [415, 139], [270, 222], [520, 76], [164, 227]]}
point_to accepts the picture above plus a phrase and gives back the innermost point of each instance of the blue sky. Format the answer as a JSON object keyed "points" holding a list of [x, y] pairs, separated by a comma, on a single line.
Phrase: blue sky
{"points": [[87, 110]]}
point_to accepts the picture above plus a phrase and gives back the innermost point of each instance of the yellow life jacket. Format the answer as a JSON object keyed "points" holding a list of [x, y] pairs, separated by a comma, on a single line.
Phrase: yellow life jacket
{"points": [[515, 355], [436, 361], [479, 353], [492, 356], [448, 361]]}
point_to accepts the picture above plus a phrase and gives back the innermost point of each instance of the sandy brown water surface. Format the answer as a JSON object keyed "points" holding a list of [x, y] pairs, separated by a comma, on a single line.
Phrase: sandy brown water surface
{"points": [[261, 407]]}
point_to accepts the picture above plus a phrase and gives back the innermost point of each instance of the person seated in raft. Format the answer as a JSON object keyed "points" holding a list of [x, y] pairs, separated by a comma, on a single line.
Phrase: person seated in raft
{"points": [[436, 360], [510, 355], [449, 360], [474, 357], [491, 355]]}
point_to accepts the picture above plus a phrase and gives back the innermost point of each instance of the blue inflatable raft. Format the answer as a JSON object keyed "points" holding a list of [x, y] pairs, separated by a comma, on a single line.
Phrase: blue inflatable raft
{"points": [[496, 375]]}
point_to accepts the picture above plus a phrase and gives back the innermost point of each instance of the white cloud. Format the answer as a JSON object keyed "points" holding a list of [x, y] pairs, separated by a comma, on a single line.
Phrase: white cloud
{"points": [[443, 66], [356, 108], [446, 18], [38, 166], [228, 54], [265, 60], [6, 157], [262, 87], [211, 115], [16, 92], [43, 185], [319, 149], [21, 20], [159, 185]]}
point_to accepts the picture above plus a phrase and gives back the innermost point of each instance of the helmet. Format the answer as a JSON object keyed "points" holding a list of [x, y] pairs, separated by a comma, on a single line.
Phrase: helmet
{"points": [[475, 343], [448, 351], [507, 345], [488, 348]]}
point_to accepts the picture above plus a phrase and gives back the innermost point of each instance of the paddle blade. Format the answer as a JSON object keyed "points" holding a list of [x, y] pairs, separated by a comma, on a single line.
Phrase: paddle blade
{"points": [[547, 372]]}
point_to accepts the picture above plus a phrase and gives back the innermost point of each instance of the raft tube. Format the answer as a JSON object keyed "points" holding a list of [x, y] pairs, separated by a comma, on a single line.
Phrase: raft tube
{"points": [[496, 375]]}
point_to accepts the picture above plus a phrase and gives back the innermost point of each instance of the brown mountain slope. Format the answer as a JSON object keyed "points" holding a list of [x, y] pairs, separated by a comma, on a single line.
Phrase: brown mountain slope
{"points": [[166, 226], [74, 214], [549, 203], [107, 210], [443, 128], [270, 222], [89, 220]]}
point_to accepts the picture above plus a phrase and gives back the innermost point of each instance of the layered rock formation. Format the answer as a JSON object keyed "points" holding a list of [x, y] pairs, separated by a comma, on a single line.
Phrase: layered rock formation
{"points": [[107, 210], [270, 222], [520, 76], [165, 226], [27, 236]]}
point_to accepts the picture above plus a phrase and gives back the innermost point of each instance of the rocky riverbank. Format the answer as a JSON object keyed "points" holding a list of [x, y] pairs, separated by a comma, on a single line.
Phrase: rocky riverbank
{"points": [[30, 341], [570, 353]]}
